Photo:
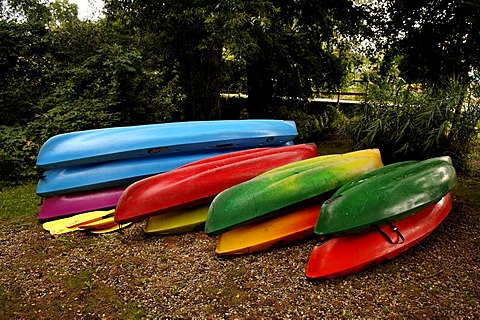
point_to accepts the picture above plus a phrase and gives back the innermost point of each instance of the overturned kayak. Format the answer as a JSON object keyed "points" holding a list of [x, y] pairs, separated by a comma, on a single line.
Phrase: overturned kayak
{"points": [[389, 194], [282, 229], [348, 254], [108, 144], [197, 183], [283, 187], [65, 205], [181, 221], [112, 174]]}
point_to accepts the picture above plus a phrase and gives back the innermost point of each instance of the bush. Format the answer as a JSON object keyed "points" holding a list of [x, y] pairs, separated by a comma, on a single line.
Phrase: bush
{"points": [[417, 125], [311, 126], [17, 157]]}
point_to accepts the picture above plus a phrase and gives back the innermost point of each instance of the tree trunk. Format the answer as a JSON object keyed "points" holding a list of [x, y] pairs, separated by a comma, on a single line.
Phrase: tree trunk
{"points": [[260, 89]]}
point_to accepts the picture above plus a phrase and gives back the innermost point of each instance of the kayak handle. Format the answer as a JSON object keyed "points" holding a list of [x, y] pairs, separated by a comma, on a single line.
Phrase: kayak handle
{"points": [[395, 229]]}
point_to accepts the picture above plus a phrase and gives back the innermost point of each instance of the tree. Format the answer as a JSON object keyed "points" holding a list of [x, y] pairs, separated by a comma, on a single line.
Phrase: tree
{"points": [[299, 49], [187, 36], [62, 12], [288, 47], [434, 40], [23, 44], [437, 44]]}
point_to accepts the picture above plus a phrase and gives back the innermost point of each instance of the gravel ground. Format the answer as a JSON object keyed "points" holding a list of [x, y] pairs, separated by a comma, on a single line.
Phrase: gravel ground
{"points": [[129, 276]]}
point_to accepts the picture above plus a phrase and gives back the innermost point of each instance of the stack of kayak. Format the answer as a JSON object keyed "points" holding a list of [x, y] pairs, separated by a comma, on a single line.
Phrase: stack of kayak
{"points": [[283, 204], [380, 215], [177, 201], [89, 170], [245, 183], [362, 212]]}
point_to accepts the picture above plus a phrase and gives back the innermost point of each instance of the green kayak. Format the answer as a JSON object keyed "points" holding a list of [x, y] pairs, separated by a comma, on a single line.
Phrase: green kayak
{"points": [[286, 186], [388, 194]]}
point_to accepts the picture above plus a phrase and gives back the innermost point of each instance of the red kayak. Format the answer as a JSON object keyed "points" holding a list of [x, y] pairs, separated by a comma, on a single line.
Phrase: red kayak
{"points": [[352, 253], [199, 182]]}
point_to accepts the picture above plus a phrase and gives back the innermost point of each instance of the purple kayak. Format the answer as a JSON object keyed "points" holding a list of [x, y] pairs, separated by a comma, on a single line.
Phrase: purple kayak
{"points": [[64, 205]]}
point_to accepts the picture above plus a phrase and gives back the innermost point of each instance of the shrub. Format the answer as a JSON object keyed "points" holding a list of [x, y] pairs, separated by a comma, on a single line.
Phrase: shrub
{"points": [[17, 157], [416, 125], [311, 126]]}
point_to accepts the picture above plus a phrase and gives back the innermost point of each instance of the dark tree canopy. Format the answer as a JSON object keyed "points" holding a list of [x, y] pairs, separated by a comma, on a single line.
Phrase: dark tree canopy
{"points": [[299, 50], [287, 48], [435, 40], [164, 61]]}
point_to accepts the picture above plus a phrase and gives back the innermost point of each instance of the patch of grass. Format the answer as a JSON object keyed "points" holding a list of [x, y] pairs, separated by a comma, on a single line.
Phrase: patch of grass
{"points": [[334, 146], [238, 272], [177, 288], [19, 204], [468, 189], [234, 295]]}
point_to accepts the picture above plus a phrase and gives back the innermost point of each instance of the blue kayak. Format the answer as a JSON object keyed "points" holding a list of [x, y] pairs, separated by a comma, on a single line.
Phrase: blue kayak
{"points": [[108, 144], [114, 173]]}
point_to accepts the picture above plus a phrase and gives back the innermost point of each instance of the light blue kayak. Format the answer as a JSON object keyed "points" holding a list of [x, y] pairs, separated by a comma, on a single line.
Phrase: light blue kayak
{"points": [[108, 144], [114, 173]]}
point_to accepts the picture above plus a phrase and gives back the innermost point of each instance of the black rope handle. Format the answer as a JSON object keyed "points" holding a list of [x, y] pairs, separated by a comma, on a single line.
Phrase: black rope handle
{"points": [[395, 229]]}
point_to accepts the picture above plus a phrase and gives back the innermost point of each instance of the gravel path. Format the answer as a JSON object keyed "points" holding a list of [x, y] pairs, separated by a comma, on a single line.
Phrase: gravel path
{"points": [[129, 276]]}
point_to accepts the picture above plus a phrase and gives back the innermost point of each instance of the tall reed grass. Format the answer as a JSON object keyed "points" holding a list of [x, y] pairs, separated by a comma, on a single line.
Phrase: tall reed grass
{"points": [[417, 124]]}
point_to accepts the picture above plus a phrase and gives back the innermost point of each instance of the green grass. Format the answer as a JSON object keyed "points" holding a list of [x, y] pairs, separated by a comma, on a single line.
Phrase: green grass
{"points": [[19, 204], [334, 146], [469, 190]]}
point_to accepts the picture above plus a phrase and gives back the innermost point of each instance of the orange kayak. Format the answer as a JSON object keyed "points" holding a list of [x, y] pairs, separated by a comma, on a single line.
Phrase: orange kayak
{"points": [[293, 225]]}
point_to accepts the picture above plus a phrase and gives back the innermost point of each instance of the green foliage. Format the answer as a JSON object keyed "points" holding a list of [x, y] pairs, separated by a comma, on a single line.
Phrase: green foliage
{"points": [[464, 137], [73, 76], [21, 47], [160, 100], [415, 125], [168, 61], [105, 91], [190, 36], [17, 157], [299, 50], [311, 126], [62, 13], [434, 39]]}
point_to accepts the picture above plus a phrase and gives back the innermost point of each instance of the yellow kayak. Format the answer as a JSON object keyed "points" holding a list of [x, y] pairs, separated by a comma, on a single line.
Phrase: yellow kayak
{"points": [[110, 229], [178, 221], [70, 224]]}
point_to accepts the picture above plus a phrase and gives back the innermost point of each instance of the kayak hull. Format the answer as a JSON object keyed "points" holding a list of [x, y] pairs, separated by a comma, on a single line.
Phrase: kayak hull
{"points": [[288, 227], [348, 254], [110, 144], [177, 222], [111, 174], [61, 206], [389, 194], [281, 188], [198, 183]]}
